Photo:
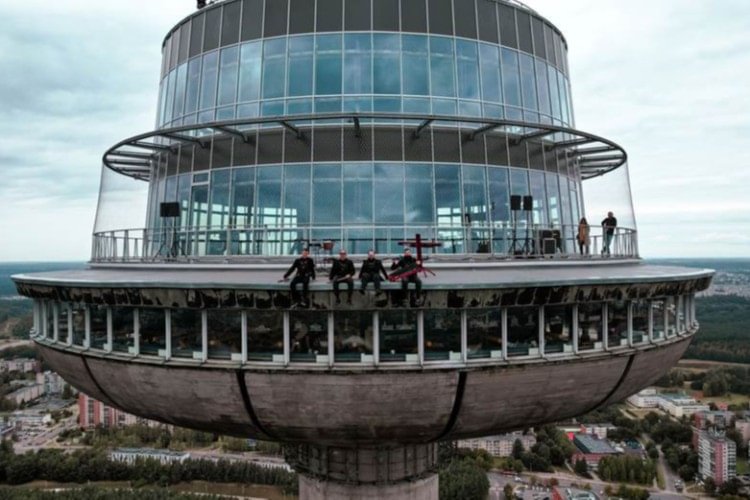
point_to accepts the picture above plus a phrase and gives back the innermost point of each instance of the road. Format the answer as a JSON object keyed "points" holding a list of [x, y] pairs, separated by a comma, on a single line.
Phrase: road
{"points": [[14, 343]]}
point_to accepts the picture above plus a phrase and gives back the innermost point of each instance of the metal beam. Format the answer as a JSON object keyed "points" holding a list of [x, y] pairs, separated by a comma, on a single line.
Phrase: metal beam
{"points": [[570, 144], [598, 159], [132, 154], [185, 138], [237, 133], [150, 145], [481, 130], [535, 135], [421, 127], [115, 161], [602, 149], [357, 129], [289, 126]]}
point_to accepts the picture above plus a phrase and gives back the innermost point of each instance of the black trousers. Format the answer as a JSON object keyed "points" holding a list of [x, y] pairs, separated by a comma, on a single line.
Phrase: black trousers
{"points": [[305, 280], [337, 283], [374, 278], [413, 279]]}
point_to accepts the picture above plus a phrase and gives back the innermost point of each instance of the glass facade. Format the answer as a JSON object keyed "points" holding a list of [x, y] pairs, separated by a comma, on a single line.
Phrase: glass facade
{"points": [[381, 336], [364, 72], [278, 209]]}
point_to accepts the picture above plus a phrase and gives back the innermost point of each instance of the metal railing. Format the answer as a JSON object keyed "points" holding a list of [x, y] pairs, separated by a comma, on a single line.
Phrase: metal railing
{"points": [[501, 240]]}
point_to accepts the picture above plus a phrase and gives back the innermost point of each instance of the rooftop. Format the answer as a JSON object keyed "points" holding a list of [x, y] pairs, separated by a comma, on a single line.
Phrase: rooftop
{"points": [[589, 444]]}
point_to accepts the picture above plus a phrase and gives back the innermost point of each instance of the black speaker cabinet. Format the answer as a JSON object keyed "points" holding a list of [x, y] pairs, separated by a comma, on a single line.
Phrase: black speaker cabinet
{"points": [[169, 209], [528, 203], [515, 202]]}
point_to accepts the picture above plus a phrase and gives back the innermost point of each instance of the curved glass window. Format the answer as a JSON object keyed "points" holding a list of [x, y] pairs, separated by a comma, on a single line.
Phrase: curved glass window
{"points": [[523, 331], [363, 71], [398, 336], [270, 209]]}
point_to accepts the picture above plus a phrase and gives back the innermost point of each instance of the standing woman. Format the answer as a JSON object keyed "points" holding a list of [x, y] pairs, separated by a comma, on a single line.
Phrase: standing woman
{"points": [[583, 236]]}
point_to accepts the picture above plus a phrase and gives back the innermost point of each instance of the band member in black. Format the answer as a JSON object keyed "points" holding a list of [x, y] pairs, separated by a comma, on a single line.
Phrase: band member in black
{"points": [[371, 271], [305, 268], [342, 271], [403, 265]]}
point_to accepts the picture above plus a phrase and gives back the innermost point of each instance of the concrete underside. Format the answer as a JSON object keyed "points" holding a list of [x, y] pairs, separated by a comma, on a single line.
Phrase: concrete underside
{"points": [[365, 406], [419, 489]]}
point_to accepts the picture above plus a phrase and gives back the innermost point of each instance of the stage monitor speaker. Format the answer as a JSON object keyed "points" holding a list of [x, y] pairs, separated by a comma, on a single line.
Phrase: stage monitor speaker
{"points": [[528, 203], [515, 202], [169, 209]]}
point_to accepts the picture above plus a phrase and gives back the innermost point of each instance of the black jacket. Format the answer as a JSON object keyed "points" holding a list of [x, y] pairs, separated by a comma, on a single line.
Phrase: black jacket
{"points": [[305, 268], [405, 262], [610, 223], [373, 267], [341, 268]]}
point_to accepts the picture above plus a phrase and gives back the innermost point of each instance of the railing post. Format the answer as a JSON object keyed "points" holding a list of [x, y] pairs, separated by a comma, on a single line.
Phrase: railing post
{"points": [[126, 246]]}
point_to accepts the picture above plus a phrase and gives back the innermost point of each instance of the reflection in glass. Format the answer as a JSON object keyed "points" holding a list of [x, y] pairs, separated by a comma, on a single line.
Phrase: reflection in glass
{"points": [[659, 314], [274, 68], [98, 326], [208, 80], [152, 328], [62, 323], [224, 334], [265, 336], [398, 336], [528, 83], [123, 326], [442, 334], [186, 333], [617, 324], [671, 308], [228, 69], [489, 56], [308, 335], [357, 63], [416, 67], [386, 64], [250, 67], [442, 72], [590, 325], [352, 334], [300, 66], [523, 331], [558, 326], [79, 324], [511, 73], [641, 314], [484, 336], [328, 64], [467, 65]]}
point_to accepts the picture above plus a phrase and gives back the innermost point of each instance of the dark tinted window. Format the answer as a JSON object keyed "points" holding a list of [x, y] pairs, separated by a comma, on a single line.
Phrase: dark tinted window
{"points": [[329, 15], [196, 35], [558, 51], [230, 26], [385, 15], [441, 17], [487, 21], [524, 32], [507, 21], [301, 16], [549, 43], [466, 22], [357, 15], [211, 36], [174, 42], [538, 30], [252, 19], [275, 18], [413, 16], [184, 43]]}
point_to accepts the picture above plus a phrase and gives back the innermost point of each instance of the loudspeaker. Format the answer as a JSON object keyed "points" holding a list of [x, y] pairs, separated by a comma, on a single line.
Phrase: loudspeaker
{"points": [[528, 203], [169, 209], [515, 202]]}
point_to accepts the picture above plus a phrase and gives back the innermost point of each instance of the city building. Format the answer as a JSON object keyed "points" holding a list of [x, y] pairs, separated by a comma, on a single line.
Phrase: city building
{"points": [[743, 427], [560, 493], [500, 445], [131, 455], [647, 398], [679, 405], [718, 419], [592, 450], [446, 126], [717, 456], [25, 393], [23, 365], [93, 413]]}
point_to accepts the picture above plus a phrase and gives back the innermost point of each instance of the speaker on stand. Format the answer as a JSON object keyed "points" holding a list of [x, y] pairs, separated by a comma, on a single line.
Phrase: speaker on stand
{"points": [[528, 207], [515, 206], [169, 210]]}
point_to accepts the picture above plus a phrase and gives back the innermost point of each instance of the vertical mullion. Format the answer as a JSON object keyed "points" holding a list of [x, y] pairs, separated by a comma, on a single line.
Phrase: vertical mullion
{"points": [[650, 321], [204, 335], [331, 351], [137, 332], [287, 343], [167, 334], [504, 332], [69, 340], [630, 323], [464, 339], [420, 336], [575, 328], [108, 345], [87, 328], [55, 320], [243, 336], [605, 326], [376, 338], [541, 331]]}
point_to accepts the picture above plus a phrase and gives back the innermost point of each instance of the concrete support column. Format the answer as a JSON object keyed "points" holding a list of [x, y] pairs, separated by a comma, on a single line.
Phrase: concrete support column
{"points": [[332, 473]]}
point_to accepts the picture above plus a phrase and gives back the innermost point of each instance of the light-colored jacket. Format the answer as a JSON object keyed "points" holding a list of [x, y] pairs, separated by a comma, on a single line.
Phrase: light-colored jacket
{"points": [[583, 234]]}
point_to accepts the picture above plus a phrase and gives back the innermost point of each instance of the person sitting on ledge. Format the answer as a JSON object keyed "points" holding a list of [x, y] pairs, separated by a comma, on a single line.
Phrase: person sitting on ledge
{"points": [[305, 268], [342, 271], [405, 264], [371, 271]]}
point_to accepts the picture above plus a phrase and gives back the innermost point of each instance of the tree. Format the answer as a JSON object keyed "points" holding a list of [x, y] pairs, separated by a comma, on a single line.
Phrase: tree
{"points": [[581, 468], [463, 480], [730, 487], [709, 486], [508, 492], [517, 449]]}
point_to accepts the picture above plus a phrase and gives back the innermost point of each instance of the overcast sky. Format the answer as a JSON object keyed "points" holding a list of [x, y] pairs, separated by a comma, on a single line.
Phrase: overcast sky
{"points": [[666, 79]]}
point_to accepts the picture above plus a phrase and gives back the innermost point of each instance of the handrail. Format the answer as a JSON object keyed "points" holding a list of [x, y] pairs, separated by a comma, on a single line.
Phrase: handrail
{"points": [[499, 240]]}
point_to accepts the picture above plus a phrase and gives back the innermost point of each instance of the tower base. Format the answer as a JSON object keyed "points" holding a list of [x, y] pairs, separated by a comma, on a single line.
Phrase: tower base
{"points": [[396, 472], [421, 489]]}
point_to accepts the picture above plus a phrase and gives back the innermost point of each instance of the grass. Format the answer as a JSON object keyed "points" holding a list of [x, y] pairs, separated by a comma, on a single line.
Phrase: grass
{"points": [[660, 479], [730, 398], [742, 466]]}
